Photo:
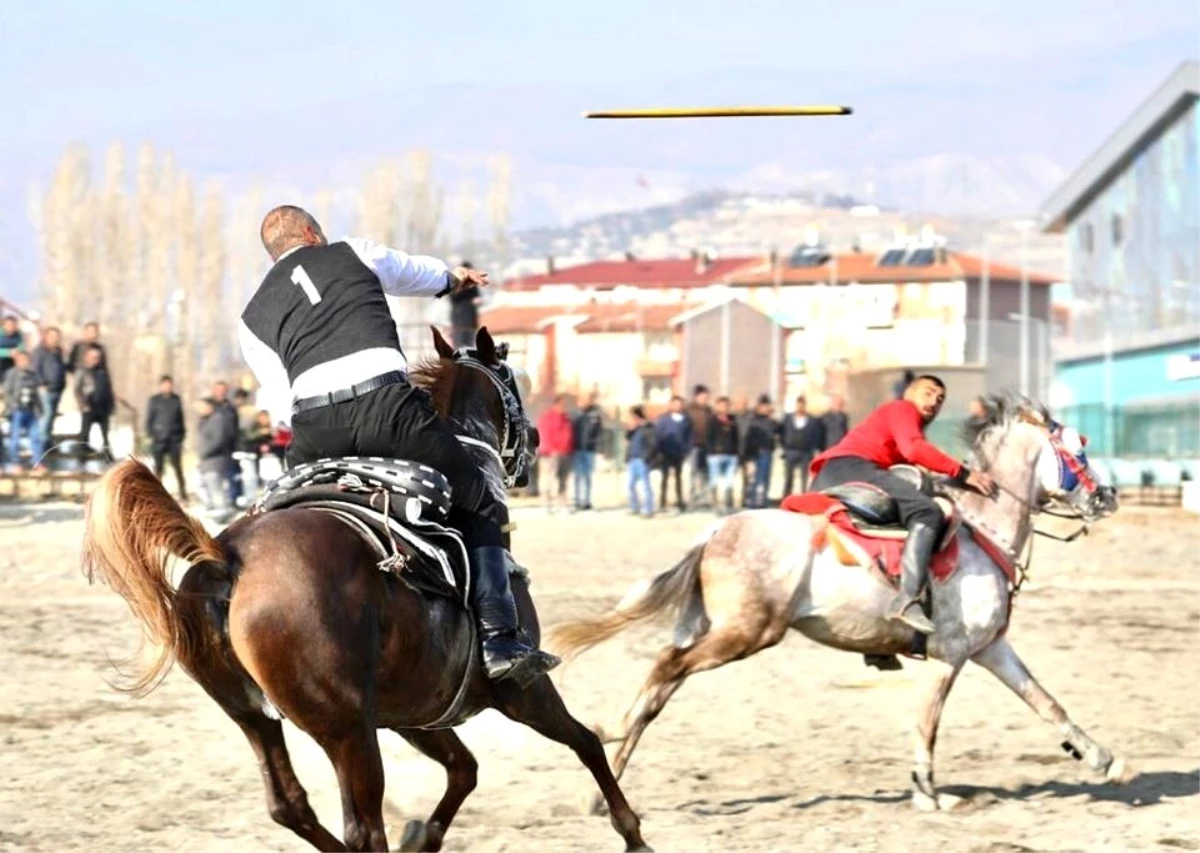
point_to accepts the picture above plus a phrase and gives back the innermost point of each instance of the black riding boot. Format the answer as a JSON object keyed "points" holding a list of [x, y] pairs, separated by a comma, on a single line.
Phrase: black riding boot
{"points": [[504, 655], [914, 567]]}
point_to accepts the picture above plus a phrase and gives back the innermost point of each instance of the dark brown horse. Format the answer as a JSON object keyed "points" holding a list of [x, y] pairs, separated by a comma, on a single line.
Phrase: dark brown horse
{"points": [[286, 612]]}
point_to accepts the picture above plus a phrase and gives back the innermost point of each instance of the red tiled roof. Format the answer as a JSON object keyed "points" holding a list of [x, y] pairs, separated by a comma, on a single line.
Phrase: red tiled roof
{"points": [[605, 275], [512, 319], [630, 318], [864, 267], [596, 318]]}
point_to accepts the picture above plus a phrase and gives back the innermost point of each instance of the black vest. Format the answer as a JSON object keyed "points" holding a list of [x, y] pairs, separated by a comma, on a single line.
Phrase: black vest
{"points": [[320, 303]]}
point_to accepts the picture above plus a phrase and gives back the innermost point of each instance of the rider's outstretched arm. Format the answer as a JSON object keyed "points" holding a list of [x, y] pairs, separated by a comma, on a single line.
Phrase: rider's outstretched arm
{"points": [[400, 273]]}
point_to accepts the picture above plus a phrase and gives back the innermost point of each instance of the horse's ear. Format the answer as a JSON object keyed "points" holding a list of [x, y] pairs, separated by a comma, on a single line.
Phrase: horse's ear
{"points": [[486, 347], [444, 350]]}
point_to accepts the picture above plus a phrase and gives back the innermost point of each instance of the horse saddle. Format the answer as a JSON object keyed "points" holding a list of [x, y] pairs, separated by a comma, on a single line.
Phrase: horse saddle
{"points": [[873, 511], [397, 505]]}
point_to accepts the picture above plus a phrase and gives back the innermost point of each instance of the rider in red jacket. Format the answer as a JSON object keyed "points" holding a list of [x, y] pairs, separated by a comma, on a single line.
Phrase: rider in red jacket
{"points": [[894, 434]]}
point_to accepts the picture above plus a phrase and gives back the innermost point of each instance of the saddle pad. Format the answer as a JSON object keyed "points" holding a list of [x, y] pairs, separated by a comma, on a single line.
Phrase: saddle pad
{"points": [[856, 547], [423, 491], [433, 557]]}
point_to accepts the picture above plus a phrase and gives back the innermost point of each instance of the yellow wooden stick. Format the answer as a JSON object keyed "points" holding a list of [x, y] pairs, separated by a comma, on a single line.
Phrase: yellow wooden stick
{"points": [[722, 112]]}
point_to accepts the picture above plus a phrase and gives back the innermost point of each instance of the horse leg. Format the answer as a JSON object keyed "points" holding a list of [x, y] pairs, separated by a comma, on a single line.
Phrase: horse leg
{"points": [[287, 801], [999, 659], [359, 768], [925, 796], [444, 747], [671, 669], [542, 709]]}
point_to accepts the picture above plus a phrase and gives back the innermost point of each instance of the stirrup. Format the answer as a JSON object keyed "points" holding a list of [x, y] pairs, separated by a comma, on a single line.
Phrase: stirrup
{"points": [[917, 620]]}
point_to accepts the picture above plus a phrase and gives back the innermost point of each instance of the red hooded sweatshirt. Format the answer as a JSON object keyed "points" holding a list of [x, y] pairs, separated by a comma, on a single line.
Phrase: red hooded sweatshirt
{"points": [[891, 435], [555, 433]]}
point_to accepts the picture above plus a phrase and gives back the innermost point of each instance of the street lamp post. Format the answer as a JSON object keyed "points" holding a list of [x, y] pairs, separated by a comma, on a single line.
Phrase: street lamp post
{"points": [[1023, 226]]}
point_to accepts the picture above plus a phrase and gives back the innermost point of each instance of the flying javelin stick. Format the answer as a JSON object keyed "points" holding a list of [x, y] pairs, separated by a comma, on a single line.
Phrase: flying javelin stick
{"points": [[721, 112]]}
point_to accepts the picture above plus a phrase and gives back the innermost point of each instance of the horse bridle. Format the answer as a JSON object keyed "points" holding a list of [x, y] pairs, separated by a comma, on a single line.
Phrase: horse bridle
{"points": [[514, 435]]}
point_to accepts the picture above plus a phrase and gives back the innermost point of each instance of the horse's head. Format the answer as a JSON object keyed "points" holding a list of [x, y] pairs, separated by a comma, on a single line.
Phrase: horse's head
{"points": [[1015, 437], [477, 391]]}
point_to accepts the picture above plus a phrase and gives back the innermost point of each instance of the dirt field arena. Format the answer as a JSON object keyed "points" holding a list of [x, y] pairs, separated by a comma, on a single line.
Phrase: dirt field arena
{"points": [[799, 748]]}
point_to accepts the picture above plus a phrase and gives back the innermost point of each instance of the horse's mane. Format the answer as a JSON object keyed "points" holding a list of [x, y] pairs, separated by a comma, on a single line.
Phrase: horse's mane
{"points": [[437, 376], [1000, 412]]}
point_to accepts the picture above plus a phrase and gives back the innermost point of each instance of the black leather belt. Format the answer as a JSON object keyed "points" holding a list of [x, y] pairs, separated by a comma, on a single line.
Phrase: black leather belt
{"points": [[345, 395]]}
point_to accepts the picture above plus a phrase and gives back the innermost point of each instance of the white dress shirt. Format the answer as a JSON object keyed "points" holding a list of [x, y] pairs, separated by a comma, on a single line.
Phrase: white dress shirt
{"points": [[400, 274]]}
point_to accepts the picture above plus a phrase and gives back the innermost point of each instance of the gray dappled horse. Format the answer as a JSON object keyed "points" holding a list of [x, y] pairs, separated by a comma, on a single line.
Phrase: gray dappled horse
{"points": [[756, 574]]}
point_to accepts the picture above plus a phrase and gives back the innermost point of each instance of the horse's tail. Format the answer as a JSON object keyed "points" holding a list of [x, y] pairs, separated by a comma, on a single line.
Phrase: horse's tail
{"points": [[645, 599], [132, 529]]}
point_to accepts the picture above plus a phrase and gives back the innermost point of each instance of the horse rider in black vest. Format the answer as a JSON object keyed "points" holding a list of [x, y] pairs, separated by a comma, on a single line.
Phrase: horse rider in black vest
{"points": [[319, 325]]}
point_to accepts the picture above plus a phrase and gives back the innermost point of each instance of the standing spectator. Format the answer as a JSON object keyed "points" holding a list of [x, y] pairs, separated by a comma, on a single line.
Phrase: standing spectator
{"points": [[722, 444], [22, 405], [673, 442], [834, 421], [699, 413], [758, 449], [11, 342], [94, 394], [165, 426], [557, 442], [223, 408], [217, 435], [464, 314], [639, 448], [588, 430], [51, 368], [741, 417], [803, 438], [90, 339]]}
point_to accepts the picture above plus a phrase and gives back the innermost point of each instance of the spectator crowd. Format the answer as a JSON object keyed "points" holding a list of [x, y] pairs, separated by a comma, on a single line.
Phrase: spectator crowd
{"points": [[705, 444], [34, 382]]}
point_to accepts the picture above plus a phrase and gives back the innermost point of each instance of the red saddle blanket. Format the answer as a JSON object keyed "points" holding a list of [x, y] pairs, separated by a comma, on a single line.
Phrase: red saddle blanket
{"points": [[885, 552]]}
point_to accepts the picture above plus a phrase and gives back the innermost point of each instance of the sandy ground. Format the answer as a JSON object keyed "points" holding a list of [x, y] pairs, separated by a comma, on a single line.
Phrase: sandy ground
{"points": [[798, 748]]}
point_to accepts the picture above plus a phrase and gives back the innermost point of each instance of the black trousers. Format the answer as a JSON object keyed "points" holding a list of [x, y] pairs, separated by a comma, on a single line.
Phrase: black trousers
{"points": [[913, 505], [793, 461], [170, 449], [86, 421], [399, 422], [666, 467]]}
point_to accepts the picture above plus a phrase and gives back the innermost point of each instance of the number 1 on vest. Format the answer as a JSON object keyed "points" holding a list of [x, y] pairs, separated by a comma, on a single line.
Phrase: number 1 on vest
{"points": [[300, 277]]}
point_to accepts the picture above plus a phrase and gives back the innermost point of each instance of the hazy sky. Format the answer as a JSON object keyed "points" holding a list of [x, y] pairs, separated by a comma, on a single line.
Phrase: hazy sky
{"points": [[299, 93], [99, 69]]}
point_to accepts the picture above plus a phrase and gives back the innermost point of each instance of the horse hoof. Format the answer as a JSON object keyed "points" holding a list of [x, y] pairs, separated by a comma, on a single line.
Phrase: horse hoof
{"points": [[948, 802], [645, 848], [1119, 771], [414, 837], [923, 802]]}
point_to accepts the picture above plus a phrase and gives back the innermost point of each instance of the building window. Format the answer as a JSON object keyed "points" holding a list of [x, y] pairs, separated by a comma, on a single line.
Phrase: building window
{"points": [[657, 390], [1118, 229], [1085, 237]]}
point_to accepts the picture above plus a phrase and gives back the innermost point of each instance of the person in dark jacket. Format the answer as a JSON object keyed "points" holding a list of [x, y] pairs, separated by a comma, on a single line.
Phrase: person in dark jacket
{"points": [[51, 368], [11, 342], [639, 450], [834, 421], [758, 448], [464, 313], [216, 436], [588, 431], [22, 406], [803, 437], [166, 428], [673, 443], [722, 443], [95, 396], [89, 340], [224, 408], [699, 412]]}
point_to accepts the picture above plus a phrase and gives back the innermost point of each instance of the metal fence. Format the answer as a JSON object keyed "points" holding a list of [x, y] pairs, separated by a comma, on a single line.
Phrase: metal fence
{"points": [[1168, 430]]}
